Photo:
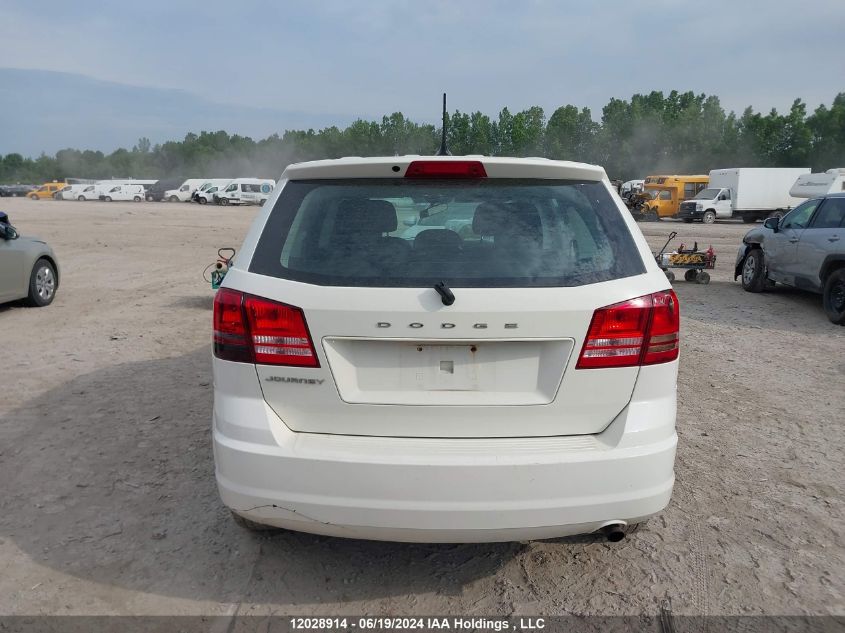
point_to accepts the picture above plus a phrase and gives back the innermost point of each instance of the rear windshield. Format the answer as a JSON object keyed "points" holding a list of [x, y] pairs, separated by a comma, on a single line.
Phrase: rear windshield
{"points": [[414, 233]]}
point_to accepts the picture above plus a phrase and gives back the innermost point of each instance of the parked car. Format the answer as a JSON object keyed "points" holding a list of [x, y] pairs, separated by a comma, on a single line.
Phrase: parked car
{"points": [[517, 384], [136, 193], [15, 191], [28, 267], [184, 192], [245, 191], [47, 190], [804, 249], [155, 192]]}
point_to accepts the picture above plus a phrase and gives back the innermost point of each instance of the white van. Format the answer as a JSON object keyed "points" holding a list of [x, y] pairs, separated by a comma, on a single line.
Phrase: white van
{"points": [[136, 193], [213, 183], [185, 191], [71, 192], [816, 185], [246, 191], [207, 195]]}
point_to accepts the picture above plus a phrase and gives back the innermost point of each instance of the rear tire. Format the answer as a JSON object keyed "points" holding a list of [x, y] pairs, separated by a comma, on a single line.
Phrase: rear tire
{"points": [[81, 198], [43, 284], [754, 271], [833, 297], [709, 217], [690, 275], [702, 278], [107, 198], [252, 525], [33, 197], [137, 198]]}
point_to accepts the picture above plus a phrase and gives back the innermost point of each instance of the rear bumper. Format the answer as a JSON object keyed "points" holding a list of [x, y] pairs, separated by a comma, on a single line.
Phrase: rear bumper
{"points": [[444, 490]]}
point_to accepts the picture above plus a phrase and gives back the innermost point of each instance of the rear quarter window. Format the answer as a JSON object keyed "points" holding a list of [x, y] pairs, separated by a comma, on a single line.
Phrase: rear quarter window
{"points": [[468, 233]]}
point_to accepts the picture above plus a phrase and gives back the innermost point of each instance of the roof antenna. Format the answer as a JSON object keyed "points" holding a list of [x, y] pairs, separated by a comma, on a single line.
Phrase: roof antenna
{"points": [[443, 151]]}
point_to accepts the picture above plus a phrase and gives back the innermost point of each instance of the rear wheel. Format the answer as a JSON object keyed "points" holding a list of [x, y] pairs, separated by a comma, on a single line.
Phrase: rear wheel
{"points": [[107, 198], [833, 297], [709, 217], [753, 271], [33, 197], [690, 275], [42, 284], [252, 525], [81, 198], [137, 198], [702, 278]]}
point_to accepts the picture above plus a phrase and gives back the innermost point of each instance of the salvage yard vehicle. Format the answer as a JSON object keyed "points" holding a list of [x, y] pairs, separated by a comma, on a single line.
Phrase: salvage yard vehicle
{"points": [[15, 191], [813, 185], [47, 190], [516, 384], [805, 249], [665, 193], [751, 193], [136, 193], [28, 267], [245, 191], [205, 192], [184, 192]]}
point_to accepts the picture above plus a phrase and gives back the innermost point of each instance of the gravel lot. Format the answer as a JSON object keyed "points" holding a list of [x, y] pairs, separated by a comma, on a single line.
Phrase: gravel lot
{"points": [[108, 504]]}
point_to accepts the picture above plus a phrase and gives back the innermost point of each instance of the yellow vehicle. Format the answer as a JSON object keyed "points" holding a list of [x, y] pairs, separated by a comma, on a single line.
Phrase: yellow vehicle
{"points": [[47, 190], [665, 193]]}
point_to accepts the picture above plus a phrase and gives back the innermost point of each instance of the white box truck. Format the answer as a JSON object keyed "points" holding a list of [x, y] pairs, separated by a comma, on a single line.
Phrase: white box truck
{"points": [[816, 185], [751, 193]]}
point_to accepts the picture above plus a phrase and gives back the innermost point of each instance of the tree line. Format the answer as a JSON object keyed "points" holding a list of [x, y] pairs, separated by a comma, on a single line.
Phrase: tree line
{"points": [[652, 133]]}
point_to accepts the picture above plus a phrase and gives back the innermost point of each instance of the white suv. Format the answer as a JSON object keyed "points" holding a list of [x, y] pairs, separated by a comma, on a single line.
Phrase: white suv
{"points": [[516, 381]]}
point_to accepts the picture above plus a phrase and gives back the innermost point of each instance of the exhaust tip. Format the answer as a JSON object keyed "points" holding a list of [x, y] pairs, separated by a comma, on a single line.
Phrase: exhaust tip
{"points": [[614, 532]]}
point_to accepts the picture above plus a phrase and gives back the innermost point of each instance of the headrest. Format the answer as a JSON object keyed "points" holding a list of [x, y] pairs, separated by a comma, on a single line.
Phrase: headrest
{"points": [[361, 215], [439, 240], [489, 218]]}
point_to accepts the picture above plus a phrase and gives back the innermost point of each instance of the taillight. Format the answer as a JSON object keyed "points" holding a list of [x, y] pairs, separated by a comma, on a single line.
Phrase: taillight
{"points": [[446, 169], [641, 331], [251, 329], [231, 339]]}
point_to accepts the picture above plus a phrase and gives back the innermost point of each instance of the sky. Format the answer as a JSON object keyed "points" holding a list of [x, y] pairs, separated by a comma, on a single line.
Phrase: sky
{"points": [[98, 74]]}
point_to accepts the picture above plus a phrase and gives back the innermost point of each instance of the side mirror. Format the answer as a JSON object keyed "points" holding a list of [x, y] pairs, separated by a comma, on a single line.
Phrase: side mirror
{"points": [[8, 232], [409, 221], [772, 223]]}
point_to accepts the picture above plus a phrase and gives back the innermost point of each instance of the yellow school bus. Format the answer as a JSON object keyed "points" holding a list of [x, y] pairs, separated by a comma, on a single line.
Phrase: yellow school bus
{"points": [[667, 192]]}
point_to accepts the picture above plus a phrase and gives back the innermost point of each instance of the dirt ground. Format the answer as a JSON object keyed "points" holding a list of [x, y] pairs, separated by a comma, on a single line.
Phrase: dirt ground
{"points": [[108, 504]]}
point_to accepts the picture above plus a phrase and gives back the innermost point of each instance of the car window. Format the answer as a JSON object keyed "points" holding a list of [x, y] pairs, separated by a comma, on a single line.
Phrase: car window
{"points": [[800, 215], [831, 215], [232, 187], [665, 195], [409, 233]]}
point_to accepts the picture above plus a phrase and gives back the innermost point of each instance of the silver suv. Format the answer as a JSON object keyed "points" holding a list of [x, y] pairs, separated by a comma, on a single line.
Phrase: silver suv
{"points": [[804, 249]]}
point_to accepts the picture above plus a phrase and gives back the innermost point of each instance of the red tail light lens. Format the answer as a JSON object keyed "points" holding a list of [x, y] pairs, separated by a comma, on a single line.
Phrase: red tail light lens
{"points": [[641, 331], [251, 329], [231, 339], [446, 169]]}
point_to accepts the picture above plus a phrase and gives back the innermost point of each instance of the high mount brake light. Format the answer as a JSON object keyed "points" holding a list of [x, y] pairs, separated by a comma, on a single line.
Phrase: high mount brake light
{"points": [[640, 331], [249, 329], [446, 169]]}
